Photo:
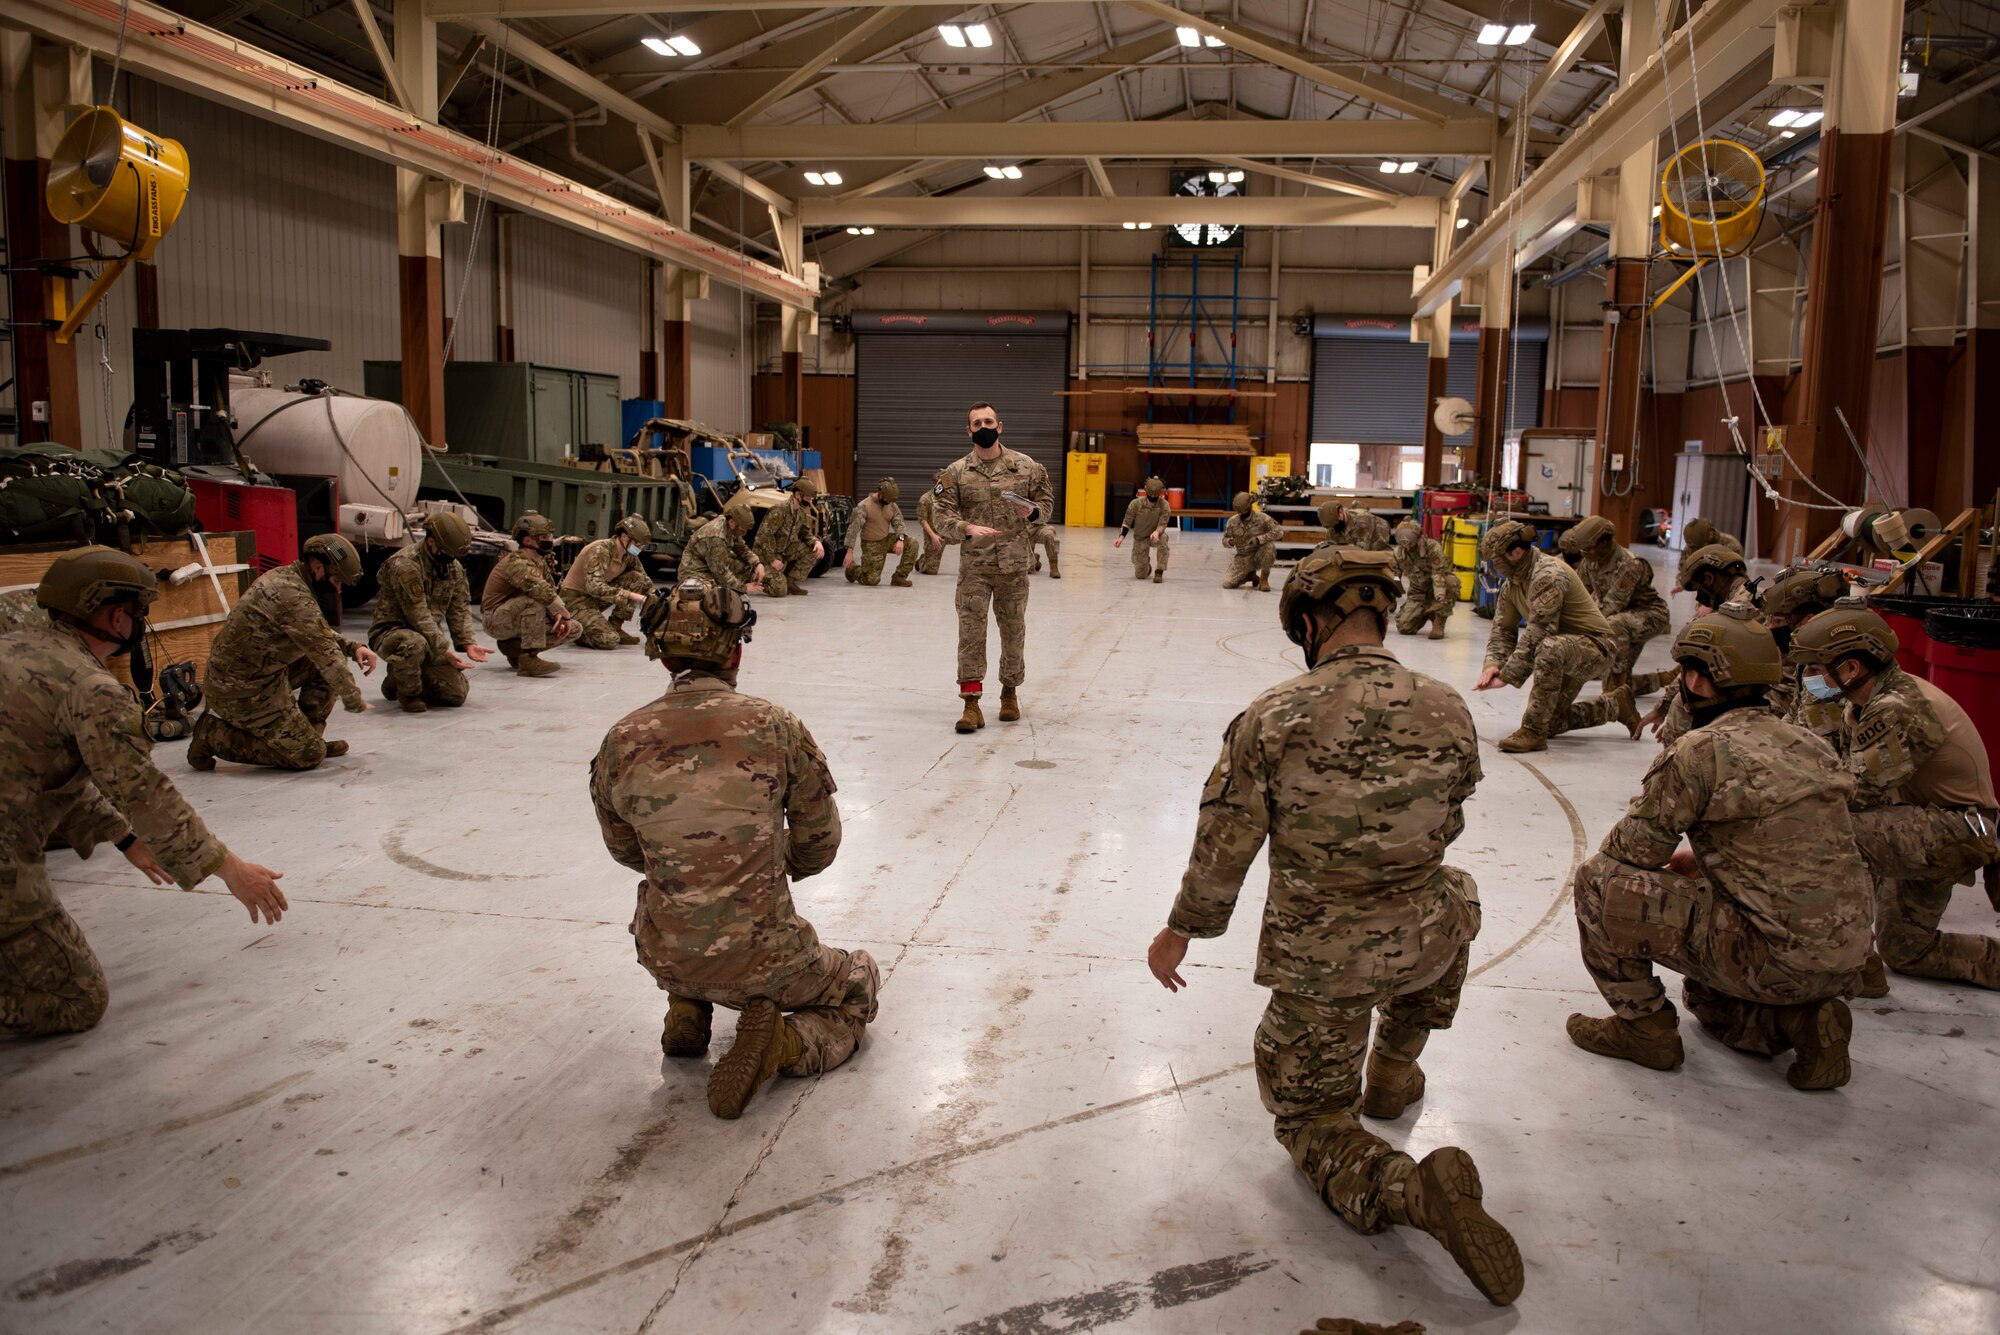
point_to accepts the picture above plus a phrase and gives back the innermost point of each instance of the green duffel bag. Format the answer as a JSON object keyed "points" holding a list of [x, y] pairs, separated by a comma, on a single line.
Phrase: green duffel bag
{"points": [[142, 499], [49, 493]]}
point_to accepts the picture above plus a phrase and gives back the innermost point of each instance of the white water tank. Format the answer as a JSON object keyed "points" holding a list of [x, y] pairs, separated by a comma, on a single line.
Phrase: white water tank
{"points": [[370, 445]]}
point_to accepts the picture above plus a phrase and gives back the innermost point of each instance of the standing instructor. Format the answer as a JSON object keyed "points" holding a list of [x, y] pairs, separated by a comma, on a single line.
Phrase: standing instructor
{"points": [[990, 502]]}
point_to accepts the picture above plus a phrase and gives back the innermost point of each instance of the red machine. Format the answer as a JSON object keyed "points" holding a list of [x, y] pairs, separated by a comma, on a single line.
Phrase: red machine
{"points": [[272, 513]]}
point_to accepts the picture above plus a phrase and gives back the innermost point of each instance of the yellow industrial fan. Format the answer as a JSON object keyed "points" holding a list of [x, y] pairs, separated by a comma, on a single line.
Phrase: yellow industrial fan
{"points": [[117, 181], [1711, 205]]}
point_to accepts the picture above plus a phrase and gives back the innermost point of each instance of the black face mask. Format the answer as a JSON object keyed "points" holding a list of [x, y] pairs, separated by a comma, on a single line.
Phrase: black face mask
{"points": [[1783, 635], [986, 437], [440, 564]]}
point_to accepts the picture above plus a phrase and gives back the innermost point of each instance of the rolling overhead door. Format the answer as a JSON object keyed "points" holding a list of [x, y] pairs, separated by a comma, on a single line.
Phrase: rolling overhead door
{"points": [[916, 374], [1369, 379]]}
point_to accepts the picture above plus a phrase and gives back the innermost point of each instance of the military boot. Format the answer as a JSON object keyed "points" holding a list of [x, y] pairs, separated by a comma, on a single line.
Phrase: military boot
{"points": [[388, 686], [1872, 983], [1159, 576], [511, 651], [901, 582], [688, 1026], [201, 755], [765, 1044], [1523, 739], [1445, 1198], [335, 749], [1653, 1042], [1437, 629], [625, 636], [1627, 712], [532, 664], [1055, 567], [414, 704], [971, 720], [1264, 583], [1035, 568], [1820, 1032], [1392, 1086], [1010, 705]]}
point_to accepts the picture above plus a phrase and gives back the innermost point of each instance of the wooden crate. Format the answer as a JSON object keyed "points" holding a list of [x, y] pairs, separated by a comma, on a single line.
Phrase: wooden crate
{"points": [[186, 619]]}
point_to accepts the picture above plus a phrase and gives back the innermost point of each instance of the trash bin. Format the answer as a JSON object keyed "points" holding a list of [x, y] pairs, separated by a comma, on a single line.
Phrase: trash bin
{"points": [[1905, 615], [1963, 646]]}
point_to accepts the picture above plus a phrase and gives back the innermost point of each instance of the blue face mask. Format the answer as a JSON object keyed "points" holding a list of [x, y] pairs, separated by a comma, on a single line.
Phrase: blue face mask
{"points": [[1819, 688], [634, 549]]}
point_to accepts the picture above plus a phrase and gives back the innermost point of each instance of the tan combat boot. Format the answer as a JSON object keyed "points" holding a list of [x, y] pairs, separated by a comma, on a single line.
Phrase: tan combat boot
{"points": [[532, 664], [1873, 982], [200, 756], [688, 1026], [1445, 1198], [1055, 567], [1392, 1086], [765, 1044], [335, 749], [511, 651], [1820, 1032], [1627, 712], [1653, 1042], [1437, 629], [1522, 739], [1159, 576], [1010, 705], [971, 720], [625, 636], [901, 582], [1264, 583]]}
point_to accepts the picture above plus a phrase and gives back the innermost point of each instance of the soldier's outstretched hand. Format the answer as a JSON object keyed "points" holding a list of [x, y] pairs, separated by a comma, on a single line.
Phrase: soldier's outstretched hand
{"points": [[255, 887], [142, 857], [1164, 958], [1488, 680], [366, 659]]}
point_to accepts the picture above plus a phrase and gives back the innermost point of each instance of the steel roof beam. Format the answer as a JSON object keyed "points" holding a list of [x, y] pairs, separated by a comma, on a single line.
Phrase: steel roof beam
{"points": [[1105, 139], [973, 209]]}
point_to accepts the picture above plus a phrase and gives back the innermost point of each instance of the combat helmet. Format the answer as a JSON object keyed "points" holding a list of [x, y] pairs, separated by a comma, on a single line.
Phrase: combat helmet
{"points": [[890, 491], [80, 582], [1156, 487], [637, 529], [1712, 559], [805, 489], [1801, 586], [1732, 647], [1586, 535], [533, 524], [1503, 537], [740, 512], [1407, 533], [1845, 632], [454, 535], [1240, 502], [343, 563], [1352, 578], [1701, 533], [698, 620]]}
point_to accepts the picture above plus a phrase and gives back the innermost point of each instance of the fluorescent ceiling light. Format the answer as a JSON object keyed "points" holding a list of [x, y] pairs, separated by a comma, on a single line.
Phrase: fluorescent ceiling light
{"points": [[685, 45], [977, 34], [832, 178], [1463, 223], [1131, 227], [1789, 116], [1188, 36], [1236, 176], [823, 178], [1388, 168], [854, 231], [1787, 134], [1011, 173], [1809, 118], [1145, 227], [1406, 168], [1211, 40], [1520, 33], [1218, 176], [1491, 34], [659, 46], [1656, 210], [993, 171], [954, 36]]}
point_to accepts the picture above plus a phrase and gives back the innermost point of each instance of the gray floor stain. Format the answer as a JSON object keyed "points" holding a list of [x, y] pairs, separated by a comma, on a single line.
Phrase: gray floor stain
{"points": [[69, 1276], [1173, 1287]]}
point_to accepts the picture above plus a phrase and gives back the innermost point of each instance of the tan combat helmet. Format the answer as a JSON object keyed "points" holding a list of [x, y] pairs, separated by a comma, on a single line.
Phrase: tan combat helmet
{"points": [[740, 513], [1586, 535], [1712, 559], [1701, 533], [1503, 537], [533, 524], [1407, 533], [77, 583], [806, 489], [454, 535], [337, 554], [890, 491], [1156, 487], [1350, 577], [698, 620], [1845, 632], [1798, 587], [637, 529], [1732, 647], [1240, 503]]}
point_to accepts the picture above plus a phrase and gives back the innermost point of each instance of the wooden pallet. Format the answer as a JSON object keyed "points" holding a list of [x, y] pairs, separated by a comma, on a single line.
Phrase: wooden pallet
{"points": [[1184, 438], [1169, 392]]}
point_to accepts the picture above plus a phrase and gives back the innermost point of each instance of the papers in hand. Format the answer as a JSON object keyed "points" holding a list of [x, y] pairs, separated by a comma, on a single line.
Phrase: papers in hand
{"points": [[1017, 498]]}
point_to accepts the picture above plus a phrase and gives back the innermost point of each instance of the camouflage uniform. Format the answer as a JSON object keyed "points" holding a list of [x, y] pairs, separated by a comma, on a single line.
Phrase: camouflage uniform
{"points": [[1566, 642], [77, 762], [1145, 517], [933, 554], [276, 643], [884, 518], [785, 534], [1622, 584], [20, 611], [1254, 537], [1779, 914], [1363, 528], [992, 572], [420, 618], [1430, 585], [721, 799], [1356, 772], [595, 588], [1919, 769], [520, 601], [717, 552], [1044, 537]]}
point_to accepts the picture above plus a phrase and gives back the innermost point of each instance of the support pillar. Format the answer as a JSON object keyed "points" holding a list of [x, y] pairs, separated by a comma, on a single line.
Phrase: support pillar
{"points": [[1975, 463], [39, 78], [1844, 287], [1435, 332], [792, 380], [1627, 294], [421, 210], [1496, 330], [682, 290]]}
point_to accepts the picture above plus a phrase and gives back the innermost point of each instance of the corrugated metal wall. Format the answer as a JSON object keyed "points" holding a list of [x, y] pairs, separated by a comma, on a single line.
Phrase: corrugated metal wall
{"points": [[723, 351], [472, 299], [579, 303]]}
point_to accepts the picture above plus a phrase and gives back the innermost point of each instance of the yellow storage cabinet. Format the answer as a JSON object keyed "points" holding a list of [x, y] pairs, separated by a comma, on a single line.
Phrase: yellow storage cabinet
{"points": [[1084, 490], [1461, 540]]}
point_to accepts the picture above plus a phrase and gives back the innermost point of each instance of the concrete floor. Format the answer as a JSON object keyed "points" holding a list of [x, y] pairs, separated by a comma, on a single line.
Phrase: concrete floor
{"points": [[430, 1099]]}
